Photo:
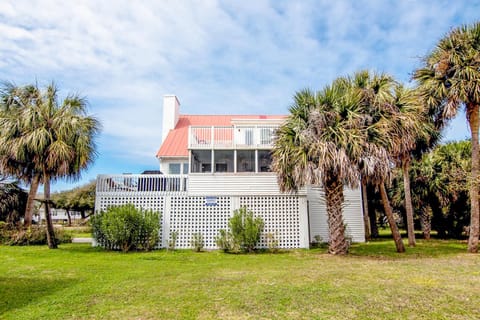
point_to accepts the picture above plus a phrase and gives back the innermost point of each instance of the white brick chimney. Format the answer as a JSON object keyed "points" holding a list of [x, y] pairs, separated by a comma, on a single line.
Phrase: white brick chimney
{"points": [[171, 109]]}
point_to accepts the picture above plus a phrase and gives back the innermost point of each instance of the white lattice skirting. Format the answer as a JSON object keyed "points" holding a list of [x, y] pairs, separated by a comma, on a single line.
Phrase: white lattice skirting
{"points": [[285, 216]]}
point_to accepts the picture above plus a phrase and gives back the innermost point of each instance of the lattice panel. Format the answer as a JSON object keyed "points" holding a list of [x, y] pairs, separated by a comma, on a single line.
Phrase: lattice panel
{"points": [[153, 202], [190, 215], [281, 215]]}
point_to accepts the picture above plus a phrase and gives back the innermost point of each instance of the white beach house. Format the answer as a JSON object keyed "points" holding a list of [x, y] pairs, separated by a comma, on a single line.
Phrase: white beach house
{"points": [[211, 165]]}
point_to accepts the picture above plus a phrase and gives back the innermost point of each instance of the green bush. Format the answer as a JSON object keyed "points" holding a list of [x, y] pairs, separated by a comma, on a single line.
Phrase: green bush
{"points": [[172, 243], [4, 231], [33, 235], [197, 241], [126, 228], [224, 240], [272, 242], [245, 231], [318, 242], [245, 228]]}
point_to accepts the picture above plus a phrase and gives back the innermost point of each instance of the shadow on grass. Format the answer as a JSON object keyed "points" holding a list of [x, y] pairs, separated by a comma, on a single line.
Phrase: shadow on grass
{"points": [[385, 249], [18, 292], [81, 248]]}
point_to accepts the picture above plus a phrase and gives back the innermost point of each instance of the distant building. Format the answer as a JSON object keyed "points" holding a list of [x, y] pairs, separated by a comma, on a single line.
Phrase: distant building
{"points": [[59, 216]]}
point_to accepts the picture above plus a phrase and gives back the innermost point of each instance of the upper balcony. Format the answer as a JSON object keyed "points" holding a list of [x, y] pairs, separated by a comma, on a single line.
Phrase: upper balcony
{"points": [[232, 137]]}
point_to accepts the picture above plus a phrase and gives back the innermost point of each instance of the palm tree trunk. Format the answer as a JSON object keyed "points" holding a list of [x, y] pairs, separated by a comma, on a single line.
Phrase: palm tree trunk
{"points": [[366, 217], [473, 118], [391, 221], [30, 200], [372, 211], [69, 217], [334, 200], [426, 222], [52, 244], [408, 202]]}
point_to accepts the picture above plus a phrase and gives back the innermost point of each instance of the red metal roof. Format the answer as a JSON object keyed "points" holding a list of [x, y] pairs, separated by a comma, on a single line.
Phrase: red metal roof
{"points": [[176, 143]]}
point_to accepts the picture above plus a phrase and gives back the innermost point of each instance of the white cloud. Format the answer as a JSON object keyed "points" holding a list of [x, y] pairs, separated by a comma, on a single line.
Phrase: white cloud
{"points": [[217, 56]]}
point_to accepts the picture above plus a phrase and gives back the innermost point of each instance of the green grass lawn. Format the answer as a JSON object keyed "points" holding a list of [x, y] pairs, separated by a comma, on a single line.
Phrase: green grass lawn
{"points": [[79, 232], [435, 280]]}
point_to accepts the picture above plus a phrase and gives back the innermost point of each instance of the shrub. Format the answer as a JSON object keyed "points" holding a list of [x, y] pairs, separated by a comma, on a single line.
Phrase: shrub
{"points": [[126, 228], [4, 231], [245, 231], [318, 242], [197, 241], [33, 235], [224, 240], [272, 242], [245, 228], [172, 243]]}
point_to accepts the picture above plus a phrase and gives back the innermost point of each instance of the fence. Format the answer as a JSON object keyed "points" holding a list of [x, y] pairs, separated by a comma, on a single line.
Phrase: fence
{"points": [[285, 216]]}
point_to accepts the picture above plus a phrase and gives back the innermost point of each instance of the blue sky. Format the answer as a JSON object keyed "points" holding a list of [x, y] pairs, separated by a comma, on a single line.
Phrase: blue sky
{"points": [[218, 57]]}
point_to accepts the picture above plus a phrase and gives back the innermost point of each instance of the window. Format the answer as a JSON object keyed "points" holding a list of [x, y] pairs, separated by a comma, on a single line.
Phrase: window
{"points": [[174, 168], [245, 160], [266, 136], [223, 160], [249, 137], [264, 160], [201, 161], [185, 168]]}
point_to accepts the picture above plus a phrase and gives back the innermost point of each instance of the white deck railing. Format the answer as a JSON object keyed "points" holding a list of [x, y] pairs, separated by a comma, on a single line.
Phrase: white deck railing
{"points": [[232, 137], [134, 183]]}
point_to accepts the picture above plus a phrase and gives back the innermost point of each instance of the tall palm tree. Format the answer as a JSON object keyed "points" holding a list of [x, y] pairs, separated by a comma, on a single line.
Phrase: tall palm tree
{"points": [[450, 81], [60, 138], [17, 160], [374, 92], [317, 145], [388, 131], [416, 134]]}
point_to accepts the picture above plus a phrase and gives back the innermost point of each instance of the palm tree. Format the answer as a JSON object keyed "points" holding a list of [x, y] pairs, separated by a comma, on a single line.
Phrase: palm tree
{"points": [[416, 135], [389, 131], [374, 92], [12, 201], [450, 81], [60, 138], [317, 145], [17, 161]]}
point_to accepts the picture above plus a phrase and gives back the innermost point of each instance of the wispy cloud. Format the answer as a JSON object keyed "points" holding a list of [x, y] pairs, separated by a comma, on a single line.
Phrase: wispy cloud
{"points": [[217, 56]]}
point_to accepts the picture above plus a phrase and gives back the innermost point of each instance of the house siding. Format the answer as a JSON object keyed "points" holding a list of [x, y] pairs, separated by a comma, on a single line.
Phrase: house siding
{"points": [[235, 185], [352, 214]]}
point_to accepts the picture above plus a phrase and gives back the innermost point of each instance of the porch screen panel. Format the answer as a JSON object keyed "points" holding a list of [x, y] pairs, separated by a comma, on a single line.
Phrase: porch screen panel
{"points": [[264, 160], [224, 161], [246, 160], [201, 161]]}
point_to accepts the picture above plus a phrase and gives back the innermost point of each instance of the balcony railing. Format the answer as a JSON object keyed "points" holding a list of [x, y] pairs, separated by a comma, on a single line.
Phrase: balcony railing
{"points": [[134, 183], [231, 137]]}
